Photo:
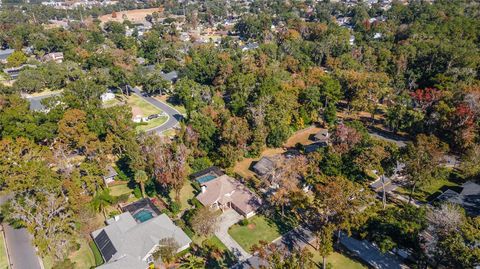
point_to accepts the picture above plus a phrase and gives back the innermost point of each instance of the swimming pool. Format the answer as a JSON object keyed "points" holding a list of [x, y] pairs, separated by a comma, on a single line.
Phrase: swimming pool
{"points": [[205, 178], [143, 215]]}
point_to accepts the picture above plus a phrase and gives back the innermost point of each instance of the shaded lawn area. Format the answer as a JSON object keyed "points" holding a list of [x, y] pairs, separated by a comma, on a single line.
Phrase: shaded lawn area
{"points": [[428, 192], [259, 228], [3, 253], [167, 99], [337, 260], [84, 257], [152, 123], [186, 193]]}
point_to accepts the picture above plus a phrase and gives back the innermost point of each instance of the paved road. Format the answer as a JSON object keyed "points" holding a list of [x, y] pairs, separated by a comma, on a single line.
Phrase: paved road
{"points": [[298, 238], [227, 219], [173, 115], [371, 254], [19, 243]]}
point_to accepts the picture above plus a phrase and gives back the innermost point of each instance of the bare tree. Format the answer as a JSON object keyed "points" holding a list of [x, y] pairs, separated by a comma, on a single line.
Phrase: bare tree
{"points": [[204, 221]]}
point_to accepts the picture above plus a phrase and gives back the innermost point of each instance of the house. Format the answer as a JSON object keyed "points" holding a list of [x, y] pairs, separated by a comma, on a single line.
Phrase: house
{"points": [[128, 243], [225, 192], [250, 46], [54, 56], [466, 196], [110, 176], [170, 76], [4, 55], [264, 166], [322, 136], [14, 72], [383, 181], [107, 96]]}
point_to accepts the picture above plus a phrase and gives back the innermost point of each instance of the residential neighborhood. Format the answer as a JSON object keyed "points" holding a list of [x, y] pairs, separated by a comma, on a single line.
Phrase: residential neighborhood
{"points": [[243, 134]]}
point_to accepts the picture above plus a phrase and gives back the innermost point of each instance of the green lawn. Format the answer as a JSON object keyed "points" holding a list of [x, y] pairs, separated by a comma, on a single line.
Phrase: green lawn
{"points": [[83, 258], [3, 253], [337, 260], [259, 229], [120, 189], [144, 107], [186, 193], [422, 193], [152, 123]]}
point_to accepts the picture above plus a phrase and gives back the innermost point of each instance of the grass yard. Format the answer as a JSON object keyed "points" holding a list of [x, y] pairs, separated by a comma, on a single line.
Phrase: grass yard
{"points": [[3, 253], [152, 123], [259, 229], [96, 253], [186, 193], [83, 258], [141, 107], [337, 260], [423, 193], [165, 99], [120, 189]]}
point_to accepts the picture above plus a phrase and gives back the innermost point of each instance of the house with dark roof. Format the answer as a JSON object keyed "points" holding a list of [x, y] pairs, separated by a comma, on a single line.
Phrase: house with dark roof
{"points": [[4, 55], [322, 136], [467, 196], [109, 177], [225, 192], [128, 242], [264, 165]]}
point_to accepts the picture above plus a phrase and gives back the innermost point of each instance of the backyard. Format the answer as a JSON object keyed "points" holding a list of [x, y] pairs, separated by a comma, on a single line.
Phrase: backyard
{"points": [[186, 193], [428, 191], [242, 167], [259, 228]]}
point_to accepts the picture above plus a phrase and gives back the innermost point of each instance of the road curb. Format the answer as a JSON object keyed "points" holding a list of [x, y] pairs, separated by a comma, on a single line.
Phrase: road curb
{"points": [[6, 247]]}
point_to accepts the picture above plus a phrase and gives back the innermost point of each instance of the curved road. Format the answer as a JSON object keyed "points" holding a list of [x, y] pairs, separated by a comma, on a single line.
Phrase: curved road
{"points": [[174, 116]]}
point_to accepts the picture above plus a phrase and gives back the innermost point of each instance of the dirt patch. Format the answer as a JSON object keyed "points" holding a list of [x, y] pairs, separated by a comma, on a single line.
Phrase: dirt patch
{"points": [[302, 137], [135, 16], [136, 111], [251, 226]]}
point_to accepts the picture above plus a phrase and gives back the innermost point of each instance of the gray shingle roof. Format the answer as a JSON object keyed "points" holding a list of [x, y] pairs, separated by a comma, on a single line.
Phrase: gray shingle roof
{"points": [[134, 241]]}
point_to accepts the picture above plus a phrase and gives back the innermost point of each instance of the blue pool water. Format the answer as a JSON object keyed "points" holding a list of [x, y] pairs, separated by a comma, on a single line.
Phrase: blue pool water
{"points": [[143, 215], [205, 178]]}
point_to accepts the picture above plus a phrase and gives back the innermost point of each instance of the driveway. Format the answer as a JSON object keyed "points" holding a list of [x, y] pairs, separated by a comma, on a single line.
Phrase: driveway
{"points": [[174, 116], [19, 244], [227, 219]]}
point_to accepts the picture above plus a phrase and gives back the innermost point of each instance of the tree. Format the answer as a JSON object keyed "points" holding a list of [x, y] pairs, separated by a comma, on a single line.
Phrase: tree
{"points": [[48, 217], [141, 178], [204, 221], [16, 59], [192, 262], [74, 133], [422, 159], [166, 250], [325, 242], [450, 238], [101, 200], [167, 162]]}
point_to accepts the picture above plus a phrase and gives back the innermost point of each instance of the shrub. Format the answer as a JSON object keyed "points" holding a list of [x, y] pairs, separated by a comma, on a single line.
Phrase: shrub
{"points": [[175, 207], [243, 222], [137, 192]]}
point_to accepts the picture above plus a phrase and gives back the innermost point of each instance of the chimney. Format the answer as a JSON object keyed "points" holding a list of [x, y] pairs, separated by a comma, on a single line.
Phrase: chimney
{"points": [[204, 188]]}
